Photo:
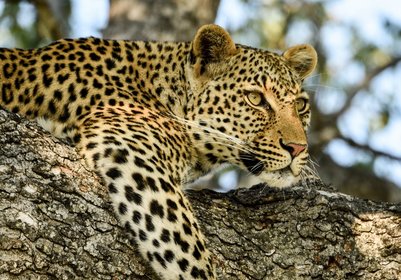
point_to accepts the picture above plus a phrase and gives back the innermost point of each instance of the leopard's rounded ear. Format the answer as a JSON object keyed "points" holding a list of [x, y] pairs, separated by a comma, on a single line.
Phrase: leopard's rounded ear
{"points": [[302, 58], [212, 44]]}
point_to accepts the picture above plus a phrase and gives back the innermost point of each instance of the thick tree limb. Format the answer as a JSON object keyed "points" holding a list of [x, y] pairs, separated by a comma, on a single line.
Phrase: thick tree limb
{"points": [[56, 223]]}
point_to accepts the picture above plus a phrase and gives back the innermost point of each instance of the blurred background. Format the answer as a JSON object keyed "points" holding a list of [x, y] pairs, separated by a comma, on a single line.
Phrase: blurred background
{"points": [[355, 137]]}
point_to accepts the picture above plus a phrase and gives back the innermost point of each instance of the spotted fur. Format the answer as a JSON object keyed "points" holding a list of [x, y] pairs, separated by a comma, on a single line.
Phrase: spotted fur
{"points": [[149, 117]]}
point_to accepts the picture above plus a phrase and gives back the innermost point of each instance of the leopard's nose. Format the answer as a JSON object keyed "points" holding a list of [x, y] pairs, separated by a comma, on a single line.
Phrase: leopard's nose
{"points": [[296, 149], [293, 148]]}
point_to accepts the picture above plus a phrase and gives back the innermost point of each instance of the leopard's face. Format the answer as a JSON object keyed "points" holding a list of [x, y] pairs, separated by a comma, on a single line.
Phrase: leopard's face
{"points": [[249, 109]]}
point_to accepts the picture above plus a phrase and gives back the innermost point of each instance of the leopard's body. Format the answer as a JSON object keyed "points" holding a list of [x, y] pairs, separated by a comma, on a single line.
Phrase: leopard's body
{"points": [[149, 117]]}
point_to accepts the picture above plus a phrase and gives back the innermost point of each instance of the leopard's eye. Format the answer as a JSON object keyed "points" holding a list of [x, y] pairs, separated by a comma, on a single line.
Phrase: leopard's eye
{"points": [[255, 98], [301, 105]]}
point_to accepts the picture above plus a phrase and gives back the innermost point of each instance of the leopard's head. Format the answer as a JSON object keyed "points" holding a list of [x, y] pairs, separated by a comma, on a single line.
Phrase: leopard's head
{"points": [[247, 107]]}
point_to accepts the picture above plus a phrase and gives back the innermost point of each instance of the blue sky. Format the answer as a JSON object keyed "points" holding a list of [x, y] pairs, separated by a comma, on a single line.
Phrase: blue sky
{"points": [[89, 17]]}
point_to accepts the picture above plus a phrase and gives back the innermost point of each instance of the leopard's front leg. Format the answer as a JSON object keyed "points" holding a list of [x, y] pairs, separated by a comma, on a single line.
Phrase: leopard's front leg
{"points": [[142, 158]]}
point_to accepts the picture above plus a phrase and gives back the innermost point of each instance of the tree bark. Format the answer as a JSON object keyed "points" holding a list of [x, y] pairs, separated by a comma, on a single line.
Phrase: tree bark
{"points": [[56, 223]]}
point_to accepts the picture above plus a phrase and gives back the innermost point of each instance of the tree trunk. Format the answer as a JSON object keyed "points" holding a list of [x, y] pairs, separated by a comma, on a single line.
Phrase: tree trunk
{"points": [[160, 20], [56, 223]]}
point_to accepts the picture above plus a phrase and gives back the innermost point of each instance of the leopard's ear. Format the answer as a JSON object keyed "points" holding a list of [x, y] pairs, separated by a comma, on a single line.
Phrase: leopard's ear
{"points": [[302, 58], [212, 44]]}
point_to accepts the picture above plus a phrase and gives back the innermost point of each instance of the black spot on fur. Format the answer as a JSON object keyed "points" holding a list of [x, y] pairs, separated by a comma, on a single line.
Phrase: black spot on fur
{"points": [[131, 195], [171, 204], [122, 208], [171, 216], [138, 178], [183, 264], [195, 272], [200, 246], [156, 208], [91, 145], [6, 93], [96, 157], [169, 255], [149, 223], [113, 173], [142, 235], [94, 57], [65, 115], [52, 107], [156, 243], [187, 229], [120, 156], [39, 100], [179, 241], [196, 253], [165, 236], [167, 187], [152, 184], [110, 64], [112, 188], [160, 260], [77, 137], [136, 217], [150, 256], [83, 92], [141, 163], [108, 152]]}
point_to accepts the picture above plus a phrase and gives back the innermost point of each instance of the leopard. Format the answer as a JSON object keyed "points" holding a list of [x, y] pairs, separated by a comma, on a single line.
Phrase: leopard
{"points": [[150, 117]]}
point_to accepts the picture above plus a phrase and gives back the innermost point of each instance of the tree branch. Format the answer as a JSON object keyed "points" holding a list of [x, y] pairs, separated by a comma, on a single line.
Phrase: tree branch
{"points": [[364, 85], [56, 222], [52, 22], [368, 149]]}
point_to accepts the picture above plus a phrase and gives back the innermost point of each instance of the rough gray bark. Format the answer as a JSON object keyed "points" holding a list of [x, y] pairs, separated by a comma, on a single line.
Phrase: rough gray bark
{"points": [[56, 223]]}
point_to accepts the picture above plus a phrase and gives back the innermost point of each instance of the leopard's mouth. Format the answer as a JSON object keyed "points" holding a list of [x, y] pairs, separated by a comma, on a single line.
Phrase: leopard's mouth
{"points": [[256, 166]]}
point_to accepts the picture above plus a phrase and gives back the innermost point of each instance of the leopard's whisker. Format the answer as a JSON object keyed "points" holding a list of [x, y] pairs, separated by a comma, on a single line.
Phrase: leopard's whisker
{"points": [[227, 144], [208, 129]]}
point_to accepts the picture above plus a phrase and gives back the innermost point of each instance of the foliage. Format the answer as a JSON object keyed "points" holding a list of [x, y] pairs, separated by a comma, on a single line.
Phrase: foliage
{"points": [[31, 23]]}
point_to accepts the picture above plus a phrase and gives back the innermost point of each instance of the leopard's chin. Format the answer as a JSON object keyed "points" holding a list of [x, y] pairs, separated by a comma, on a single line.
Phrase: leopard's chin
{"points": [[280, 179]]}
